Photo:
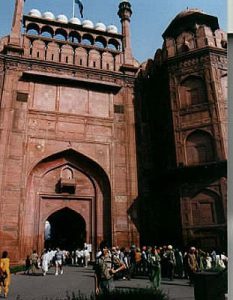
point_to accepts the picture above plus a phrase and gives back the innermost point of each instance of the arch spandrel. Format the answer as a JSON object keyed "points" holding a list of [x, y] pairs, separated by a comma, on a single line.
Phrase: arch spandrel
{"points": [[39, 163]]}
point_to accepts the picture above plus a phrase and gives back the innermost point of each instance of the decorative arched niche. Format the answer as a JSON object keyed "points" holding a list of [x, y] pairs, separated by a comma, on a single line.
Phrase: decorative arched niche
{"points": [[206, 208], [199, 148], [192, 92]]}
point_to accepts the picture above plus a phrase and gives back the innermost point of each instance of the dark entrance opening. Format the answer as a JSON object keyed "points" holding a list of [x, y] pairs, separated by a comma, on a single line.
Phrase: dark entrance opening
{"points": [[65, 229]]}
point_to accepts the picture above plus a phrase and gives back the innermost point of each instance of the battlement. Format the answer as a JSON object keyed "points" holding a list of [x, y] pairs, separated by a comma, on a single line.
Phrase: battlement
{"points": [[70, 42]]}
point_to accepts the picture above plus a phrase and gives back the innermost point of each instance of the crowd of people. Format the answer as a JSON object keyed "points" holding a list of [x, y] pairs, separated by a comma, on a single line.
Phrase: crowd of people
{"points": [[154, 262], [55, 257], [121, 263]]}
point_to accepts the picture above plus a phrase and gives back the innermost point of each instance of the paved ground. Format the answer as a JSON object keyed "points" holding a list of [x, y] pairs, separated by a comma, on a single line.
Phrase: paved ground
{"points": [[75, 279]]}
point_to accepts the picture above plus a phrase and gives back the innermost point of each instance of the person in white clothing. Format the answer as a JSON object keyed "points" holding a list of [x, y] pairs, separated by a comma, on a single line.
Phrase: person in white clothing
{"points": [[86, 254], [45, 259], [221, 260]]}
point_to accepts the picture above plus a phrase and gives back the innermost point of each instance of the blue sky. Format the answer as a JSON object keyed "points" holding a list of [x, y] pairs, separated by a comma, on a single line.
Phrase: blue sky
{"points": [[149, 20]]}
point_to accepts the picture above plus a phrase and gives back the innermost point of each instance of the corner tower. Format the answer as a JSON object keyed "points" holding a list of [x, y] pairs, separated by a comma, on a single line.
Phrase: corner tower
{"points": [[195, 49], [185, 88]]}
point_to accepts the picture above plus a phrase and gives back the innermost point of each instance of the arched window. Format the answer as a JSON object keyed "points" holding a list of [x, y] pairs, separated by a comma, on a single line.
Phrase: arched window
{"points": [[113, 45], [60, 34], [192, 92], [47, 31], [199, 148], [74, 37], [33, 29], [87, 40], [100, 42]]}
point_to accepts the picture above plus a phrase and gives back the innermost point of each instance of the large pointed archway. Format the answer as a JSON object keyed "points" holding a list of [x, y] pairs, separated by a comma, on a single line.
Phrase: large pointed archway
{"points": [[67, 230], [64, 182]]}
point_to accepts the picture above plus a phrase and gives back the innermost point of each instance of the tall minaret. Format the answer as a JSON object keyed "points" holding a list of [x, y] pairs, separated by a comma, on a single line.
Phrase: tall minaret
{"points": [[125, 13], [15, 36]]}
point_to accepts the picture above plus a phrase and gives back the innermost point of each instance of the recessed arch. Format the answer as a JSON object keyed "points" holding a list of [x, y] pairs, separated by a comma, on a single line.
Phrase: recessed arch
{"points": [[92, 197], [74, 37], [32, 29], [199, 148], [192, 91], [67, 229], [60, 34], [207, 208], [113, 44], [67, 172], [47, 31], [100, 42], [87, 39]]}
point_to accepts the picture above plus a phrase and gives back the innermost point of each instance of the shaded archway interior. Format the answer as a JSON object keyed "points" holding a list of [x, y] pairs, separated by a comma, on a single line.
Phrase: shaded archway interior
{"points": [[68, 230]]}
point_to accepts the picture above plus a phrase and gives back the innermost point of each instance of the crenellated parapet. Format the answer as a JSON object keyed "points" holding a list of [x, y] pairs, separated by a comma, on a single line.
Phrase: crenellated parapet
{"points": [[71, 42]]}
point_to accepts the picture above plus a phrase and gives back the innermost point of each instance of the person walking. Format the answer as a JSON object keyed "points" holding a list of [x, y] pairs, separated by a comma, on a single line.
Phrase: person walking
{"points": [[59, 257], [86, 255], [155, 268], [45, 261], [5, 277]]}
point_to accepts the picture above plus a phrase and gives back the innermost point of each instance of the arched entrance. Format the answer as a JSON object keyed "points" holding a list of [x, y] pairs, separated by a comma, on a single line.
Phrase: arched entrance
{"points": [[65, 229], [67, 181]]}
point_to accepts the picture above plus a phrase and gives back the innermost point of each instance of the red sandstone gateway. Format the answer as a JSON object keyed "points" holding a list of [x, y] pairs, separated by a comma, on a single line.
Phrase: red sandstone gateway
{"points": [[68, 145], [70, 171]]}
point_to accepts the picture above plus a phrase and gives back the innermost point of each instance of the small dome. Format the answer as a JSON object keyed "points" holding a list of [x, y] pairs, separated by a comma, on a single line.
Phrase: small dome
{"points": [[100, 26], [35, 13], [188, 11], [75, 21], [62, 19], [48, 15], [87, 24], [112, 29]]}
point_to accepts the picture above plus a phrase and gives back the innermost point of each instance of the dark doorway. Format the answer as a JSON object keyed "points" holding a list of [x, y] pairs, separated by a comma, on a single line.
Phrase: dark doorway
{"points": [[67, 230]]}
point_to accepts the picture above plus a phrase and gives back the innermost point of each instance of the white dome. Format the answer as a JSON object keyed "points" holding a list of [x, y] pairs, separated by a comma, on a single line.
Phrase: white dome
{"points": [[48, 15], [75, 21], [62, 19], [100, 26], [112, 29], [35, 13], [87, 24]]}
